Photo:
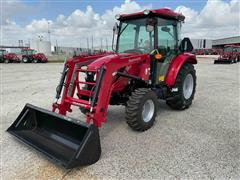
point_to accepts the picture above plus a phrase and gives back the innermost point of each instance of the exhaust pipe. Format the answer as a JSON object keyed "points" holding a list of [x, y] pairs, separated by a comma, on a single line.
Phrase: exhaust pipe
{"points": [[63, 140]]}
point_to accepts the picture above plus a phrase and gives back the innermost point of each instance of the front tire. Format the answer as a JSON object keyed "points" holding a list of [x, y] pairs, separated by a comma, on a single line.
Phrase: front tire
{"points": [[236, 60], [141, 109], [7, 61], [186, 86], [35, 61]]}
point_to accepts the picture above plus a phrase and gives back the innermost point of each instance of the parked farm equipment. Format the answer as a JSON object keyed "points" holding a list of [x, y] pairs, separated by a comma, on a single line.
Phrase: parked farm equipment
{"points": [[29, 55], [230, 54], [8, 57], [148, 64]]}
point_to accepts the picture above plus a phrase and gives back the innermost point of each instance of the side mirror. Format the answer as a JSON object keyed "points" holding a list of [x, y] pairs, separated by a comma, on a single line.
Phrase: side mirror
{"points": [[115, 28], [186, 45], [115, 32], [165, 29], [151, 22], [149, 28]]}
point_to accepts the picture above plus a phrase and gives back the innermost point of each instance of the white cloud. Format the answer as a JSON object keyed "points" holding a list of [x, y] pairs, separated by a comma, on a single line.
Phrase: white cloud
{"points": [[217, 19], [39, 25]]}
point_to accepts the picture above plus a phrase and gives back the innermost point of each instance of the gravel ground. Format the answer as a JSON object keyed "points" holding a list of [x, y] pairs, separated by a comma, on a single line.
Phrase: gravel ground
{"points": [[198, 143]]}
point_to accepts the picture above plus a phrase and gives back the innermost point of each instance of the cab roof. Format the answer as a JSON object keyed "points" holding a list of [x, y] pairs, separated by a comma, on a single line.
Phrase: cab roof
{"points": [[163, 12]]}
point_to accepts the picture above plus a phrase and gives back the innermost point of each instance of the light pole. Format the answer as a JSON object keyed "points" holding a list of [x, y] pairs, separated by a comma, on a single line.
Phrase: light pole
{"points": [[49, 33]]}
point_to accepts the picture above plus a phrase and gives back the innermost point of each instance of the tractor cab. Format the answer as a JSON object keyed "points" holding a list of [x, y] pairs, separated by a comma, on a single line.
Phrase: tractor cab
{"points": [[155, 32], [28, 52], [2, 54], [28, 55]]}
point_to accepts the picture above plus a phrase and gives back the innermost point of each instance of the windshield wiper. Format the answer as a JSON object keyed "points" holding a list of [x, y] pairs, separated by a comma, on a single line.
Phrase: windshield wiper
{"points": [[123, 29]]}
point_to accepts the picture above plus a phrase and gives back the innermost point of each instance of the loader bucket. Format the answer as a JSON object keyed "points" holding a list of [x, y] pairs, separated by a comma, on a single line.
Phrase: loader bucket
{"points": [[64, 141], [220, 61]]}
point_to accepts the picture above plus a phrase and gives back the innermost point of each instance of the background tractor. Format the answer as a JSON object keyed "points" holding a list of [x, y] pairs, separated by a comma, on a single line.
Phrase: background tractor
{"points": [[149, 62], [8, 57], [230, 54], [30, 55]]}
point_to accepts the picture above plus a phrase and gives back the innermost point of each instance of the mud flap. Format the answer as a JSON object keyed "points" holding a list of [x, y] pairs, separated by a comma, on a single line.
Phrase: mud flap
{"points": [[62, 139]]}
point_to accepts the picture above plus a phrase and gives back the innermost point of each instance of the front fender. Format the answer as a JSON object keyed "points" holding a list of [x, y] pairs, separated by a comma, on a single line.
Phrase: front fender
{"points": [[176, 65]]}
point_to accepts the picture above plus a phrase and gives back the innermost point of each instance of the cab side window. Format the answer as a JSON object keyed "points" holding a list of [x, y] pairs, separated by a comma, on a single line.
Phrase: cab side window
{"points": [[167, 36]]}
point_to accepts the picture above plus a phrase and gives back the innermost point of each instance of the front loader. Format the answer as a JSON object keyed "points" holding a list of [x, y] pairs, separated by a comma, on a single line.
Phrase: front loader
{"points": [[230, 54], [149, 62]]}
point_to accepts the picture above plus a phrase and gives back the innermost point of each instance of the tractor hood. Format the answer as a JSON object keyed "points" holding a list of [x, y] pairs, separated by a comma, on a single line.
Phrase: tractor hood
{"points": [[106, 59]]}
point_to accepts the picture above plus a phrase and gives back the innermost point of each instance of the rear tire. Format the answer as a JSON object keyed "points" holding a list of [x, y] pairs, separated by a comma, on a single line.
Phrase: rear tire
{"points": [[186, 85], [141, 109]]}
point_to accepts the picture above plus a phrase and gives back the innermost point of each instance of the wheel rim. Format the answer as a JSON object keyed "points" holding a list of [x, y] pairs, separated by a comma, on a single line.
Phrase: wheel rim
{"points": [[188, 86], [148, 110]]}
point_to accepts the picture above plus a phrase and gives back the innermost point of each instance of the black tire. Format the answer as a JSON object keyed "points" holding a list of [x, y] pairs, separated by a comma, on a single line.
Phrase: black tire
{"points": [[7, 61], [35, 61], [177, 100], [236, 60], [134, 109]]}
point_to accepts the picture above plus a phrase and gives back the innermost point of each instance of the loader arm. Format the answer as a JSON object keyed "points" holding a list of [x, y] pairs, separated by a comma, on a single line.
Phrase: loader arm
{"points": [[107, 85], [107, 69], [67, 80]]}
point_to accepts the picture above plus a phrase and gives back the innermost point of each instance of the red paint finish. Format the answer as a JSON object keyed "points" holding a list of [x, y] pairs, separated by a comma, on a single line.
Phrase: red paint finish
{"points": [[129, 63], [134, 64], [41, 57], [176, 66], [161, 12], [12, 57], [230, 55]]}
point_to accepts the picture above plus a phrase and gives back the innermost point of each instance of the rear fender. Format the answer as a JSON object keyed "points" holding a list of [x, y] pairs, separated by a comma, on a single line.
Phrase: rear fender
{"points": [[176, 65]]}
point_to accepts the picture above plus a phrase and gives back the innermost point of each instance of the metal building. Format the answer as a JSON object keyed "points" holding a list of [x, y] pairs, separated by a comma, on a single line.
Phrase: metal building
{"points": [[201, 43], [220, 43]]}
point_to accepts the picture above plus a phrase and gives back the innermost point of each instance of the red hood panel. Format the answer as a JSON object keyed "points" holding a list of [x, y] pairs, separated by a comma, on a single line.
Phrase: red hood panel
{"points": [[101, 61]]}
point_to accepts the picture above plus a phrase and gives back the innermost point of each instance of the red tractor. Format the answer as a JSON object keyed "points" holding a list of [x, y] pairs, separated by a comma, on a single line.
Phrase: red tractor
{"points": [[8, 57], [149, 62], [230, 54], [30, 55]]}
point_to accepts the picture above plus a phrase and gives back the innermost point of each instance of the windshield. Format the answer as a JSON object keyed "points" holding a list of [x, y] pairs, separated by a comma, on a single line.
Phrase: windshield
{"points": [[134, 37], [237, 49], [28, 52], [2, 52], [228, 49]]}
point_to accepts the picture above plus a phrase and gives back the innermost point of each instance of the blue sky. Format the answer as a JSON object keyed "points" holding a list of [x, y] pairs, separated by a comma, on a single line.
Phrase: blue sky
{"points": [[70, 21], [50, 9]]}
